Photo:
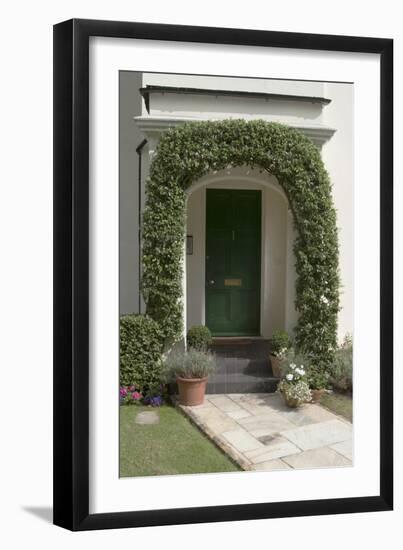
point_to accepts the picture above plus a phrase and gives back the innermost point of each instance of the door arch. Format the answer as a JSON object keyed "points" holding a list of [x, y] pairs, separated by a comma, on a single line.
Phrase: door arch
{"points": [[188, 152]]}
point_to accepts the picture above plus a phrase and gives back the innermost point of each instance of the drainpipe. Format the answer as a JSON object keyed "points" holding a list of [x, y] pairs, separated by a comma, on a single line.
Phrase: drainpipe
{"points": [[139, 150]]}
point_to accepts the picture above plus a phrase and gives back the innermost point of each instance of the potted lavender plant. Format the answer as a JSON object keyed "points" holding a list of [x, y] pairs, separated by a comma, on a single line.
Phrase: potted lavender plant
{"points": [[190, 369]]}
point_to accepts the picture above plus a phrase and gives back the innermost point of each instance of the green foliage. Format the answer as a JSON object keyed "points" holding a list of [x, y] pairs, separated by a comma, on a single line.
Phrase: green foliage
{"points": [[280, 342], [188, 152], [140, 352], [318, 379], [341, 373], [294, 356], [199, 338], [190, 364]]}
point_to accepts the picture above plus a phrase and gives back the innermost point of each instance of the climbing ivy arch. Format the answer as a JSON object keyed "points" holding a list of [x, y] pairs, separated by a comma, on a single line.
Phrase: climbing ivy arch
{"points": [[189, 151]]}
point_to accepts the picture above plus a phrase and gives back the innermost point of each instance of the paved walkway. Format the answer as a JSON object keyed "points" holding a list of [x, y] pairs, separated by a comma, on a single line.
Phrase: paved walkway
{"points": [[261, 433]]}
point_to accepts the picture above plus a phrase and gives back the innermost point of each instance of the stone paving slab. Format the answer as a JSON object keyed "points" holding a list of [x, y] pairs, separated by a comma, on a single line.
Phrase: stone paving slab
{"points": [[345, 448], [319, 434], [261, 433], [265, 424], [317, 458], [225, 404], [238, 415], [147, 417], [279, 447], [216, 420], [258, 403], [243, 441], [271, 465], [307, 414]]}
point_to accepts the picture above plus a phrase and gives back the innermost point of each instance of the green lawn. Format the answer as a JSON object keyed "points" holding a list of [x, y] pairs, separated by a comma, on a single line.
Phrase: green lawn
{"points": [[173, 446], [339, 403]]}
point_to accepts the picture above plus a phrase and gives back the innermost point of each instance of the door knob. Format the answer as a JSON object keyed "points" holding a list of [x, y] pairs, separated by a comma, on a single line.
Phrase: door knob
{"points": [[211, 282]]}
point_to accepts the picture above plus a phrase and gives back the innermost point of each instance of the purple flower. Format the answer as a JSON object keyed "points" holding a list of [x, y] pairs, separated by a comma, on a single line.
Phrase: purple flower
{"points": [[123, 392], [155, 401]]}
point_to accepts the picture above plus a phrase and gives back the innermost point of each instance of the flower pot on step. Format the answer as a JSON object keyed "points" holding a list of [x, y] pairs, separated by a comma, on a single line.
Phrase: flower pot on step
{"points": [[191, 390], [275, 366]]}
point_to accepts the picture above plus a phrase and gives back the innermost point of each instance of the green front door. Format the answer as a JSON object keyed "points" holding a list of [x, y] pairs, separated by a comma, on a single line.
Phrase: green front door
{"points": [[233, 240]]}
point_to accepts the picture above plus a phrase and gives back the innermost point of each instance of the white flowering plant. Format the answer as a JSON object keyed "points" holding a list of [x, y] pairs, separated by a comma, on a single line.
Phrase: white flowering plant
{"points": [[294, 385]]}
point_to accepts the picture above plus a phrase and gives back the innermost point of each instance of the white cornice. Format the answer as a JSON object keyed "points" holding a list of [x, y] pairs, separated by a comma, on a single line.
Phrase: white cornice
{"points": [[153, 126]]}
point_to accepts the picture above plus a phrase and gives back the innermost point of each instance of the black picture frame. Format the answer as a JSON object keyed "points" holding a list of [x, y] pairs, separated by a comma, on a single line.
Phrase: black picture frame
{"points": [[71, 274]]}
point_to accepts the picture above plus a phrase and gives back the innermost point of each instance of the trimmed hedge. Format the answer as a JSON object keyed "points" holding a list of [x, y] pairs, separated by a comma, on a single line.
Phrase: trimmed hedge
{"points": [[199, 338], [140, 352], [279, 342], [188, 152]]}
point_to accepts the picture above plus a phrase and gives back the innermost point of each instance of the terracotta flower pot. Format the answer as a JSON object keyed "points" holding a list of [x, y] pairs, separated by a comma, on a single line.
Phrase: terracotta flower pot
{"points": [[317, 395], [191, 390], [275, 366]]}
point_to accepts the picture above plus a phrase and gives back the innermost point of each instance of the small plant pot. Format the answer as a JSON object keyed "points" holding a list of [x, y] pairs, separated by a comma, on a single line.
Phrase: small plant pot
{"points": [[317, 395], [275, 366], [191, 391]]}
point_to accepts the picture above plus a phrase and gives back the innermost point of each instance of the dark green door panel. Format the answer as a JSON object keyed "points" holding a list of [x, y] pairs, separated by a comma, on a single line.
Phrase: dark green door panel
{"points": [[233, 242]]}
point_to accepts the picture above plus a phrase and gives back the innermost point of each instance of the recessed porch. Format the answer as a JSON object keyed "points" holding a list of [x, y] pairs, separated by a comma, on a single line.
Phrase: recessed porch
{"points": [[239, 269]]}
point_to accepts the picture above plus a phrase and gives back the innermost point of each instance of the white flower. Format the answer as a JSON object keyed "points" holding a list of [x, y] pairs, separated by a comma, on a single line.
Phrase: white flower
{"points": [[324, 300], [289, 377], [292, 366]]}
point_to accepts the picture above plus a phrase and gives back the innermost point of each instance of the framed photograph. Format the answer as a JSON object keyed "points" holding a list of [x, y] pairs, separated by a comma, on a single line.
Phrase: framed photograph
{"points": [[223, 267]]}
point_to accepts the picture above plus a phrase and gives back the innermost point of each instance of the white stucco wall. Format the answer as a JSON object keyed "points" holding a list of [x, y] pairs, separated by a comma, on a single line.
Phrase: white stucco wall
{"points": [[219, 107], [338, 156]]}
